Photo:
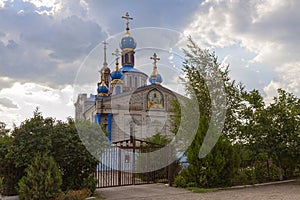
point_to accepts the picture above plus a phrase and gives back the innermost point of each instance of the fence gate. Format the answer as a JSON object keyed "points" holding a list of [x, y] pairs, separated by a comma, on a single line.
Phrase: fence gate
{"points": [[117, 165]]}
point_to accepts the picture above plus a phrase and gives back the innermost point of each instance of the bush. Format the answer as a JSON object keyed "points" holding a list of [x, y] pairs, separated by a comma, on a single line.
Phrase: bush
{"points": [[191, 184], [42, 180], [261, 172], [180, 181], [74, 195], [245, 177], [90, 183]]}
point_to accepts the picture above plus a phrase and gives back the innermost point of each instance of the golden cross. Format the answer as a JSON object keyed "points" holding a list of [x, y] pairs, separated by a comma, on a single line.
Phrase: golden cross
{"points": [[155, 58], [117, 54], [127, 23]]}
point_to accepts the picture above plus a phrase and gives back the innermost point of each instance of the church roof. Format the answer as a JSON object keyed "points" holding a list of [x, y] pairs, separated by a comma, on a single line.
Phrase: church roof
{"points": [[128, 68]]}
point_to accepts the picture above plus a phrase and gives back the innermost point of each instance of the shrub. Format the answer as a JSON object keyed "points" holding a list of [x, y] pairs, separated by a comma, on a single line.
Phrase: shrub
{"points": [[245, 177], [261, 172], [191, 184], [180, 181], [74, 195], [90, 183], [42, 180]]}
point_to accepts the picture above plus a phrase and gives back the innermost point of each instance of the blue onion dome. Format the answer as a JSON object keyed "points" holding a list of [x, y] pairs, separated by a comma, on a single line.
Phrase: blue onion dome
{"points": [[159, 79], [102, 89], [152, 80], [116, 75], [155, 79], [127, 42]]}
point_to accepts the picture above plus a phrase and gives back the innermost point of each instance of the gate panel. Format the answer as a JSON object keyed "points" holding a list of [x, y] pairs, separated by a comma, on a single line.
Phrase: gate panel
{"points": [[117, 165]]}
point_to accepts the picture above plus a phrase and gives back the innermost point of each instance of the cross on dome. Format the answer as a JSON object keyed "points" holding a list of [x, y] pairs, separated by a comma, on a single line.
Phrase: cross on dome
{"points": [[117, 54], [155, 59], [155, 77], [127, 18]]}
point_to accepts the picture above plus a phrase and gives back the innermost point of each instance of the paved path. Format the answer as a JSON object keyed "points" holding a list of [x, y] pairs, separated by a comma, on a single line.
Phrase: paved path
{"points": [[286, 191]]}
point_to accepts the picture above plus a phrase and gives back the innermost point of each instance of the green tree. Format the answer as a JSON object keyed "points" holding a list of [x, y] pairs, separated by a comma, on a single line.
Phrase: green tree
{"points": [[271, 132], [62, 141], [8, 171], [75, 161], [219, 166], [42, 180], [3, 130], [31, 137], [279, 130]]}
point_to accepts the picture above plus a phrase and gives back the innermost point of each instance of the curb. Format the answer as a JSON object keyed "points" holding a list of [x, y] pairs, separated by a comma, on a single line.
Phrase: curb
{"points": [[258, 184]]}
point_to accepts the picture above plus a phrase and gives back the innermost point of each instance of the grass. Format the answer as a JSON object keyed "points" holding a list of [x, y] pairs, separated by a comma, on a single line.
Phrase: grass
{"points": [[200, 190]]}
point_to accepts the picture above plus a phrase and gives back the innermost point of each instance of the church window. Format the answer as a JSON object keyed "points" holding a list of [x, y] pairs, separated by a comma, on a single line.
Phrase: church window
{"points": [[132, 59], [126, 58], [118, 90], [136, 82], [130, 81]]}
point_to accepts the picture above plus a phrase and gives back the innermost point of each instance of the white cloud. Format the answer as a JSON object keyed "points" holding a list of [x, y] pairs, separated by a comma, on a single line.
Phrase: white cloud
{"points": [[2, 3], [271, 91], [28, 96], [267, 29], [48, 7]]}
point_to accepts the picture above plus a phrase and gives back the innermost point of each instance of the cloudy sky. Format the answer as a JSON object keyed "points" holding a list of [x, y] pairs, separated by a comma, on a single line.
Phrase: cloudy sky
{"points": [[44, 45]]}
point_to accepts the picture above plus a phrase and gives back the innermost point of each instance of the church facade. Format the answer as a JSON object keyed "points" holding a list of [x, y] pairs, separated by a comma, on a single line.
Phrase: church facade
{"points": [[128, 101]]}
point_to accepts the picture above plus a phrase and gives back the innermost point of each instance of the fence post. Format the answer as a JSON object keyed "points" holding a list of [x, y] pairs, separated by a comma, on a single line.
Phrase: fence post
{"points": [[119, 167], [170, 166]]}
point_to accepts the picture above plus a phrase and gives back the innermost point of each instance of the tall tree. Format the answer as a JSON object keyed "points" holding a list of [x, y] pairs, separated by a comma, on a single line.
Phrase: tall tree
{"points": [[279, 133], [206, 79]]}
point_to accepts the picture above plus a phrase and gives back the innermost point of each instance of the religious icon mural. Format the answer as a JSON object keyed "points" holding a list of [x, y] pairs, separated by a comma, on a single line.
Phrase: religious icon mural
{"points": [[155, 99]]}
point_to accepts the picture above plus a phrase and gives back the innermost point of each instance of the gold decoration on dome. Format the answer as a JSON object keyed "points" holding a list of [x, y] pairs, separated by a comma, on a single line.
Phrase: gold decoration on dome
{"points": [[117, 54], [155, 59], [102, 83], [127, 23], [102, 80], [115, 81]]}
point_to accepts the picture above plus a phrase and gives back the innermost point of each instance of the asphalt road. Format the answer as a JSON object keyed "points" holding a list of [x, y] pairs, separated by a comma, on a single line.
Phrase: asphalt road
{"points": [[283, 191]]}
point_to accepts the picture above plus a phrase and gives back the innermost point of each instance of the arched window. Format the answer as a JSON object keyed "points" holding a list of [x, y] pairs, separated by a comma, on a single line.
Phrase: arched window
{"points": [[130, 81], [126, 58], [136, 82], [132, 59]]}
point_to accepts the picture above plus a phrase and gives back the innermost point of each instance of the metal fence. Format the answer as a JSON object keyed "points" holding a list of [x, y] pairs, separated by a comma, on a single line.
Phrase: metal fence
{"points": [[118, 163]]}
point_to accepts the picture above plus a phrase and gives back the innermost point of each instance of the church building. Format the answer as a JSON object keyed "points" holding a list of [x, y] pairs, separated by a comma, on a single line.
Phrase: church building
{"points": [[128, 101]]}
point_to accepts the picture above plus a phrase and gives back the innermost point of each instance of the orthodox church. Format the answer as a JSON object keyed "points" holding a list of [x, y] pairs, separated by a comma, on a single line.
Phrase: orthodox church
{"points": [[125, 103]]}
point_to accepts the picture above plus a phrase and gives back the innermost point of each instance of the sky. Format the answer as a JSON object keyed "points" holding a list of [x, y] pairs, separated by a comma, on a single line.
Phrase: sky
{"points": [[47, 47]]}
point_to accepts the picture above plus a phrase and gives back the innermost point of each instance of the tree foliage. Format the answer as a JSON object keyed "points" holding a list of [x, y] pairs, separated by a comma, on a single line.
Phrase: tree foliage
{"points": [[274, 130], [55, 138], [42, 180], [219, 166]]}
